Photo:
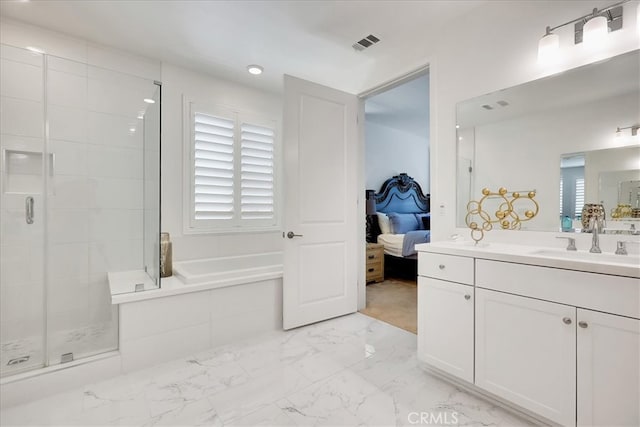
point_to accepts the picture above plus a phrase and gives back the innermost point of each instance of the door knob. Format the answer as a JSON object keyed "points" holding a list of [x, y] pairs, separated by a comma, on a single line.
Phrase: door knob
{"points": [[467, 297], [566, 320], [291, 235], [583, 324]]}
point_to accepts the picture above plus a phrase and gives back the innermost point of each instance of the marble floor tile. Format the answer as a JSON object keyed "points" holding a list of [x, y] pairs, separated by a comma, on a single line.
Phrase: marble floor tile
{"points": [[349, 371]]}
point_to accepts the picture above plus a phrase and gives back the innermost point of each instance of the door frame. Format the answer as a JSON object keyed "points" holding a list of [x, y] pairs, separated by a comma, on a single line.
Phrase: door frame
{"points": [[426, 68]]}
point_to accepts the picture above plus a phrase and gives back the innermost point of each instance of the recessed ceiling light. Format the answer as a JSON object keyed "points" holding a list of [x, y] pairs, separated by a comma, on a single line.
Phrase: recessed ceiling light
{"points": [[255, 69], [35, 49], [149, 101], [457, 126], [132, 129]]}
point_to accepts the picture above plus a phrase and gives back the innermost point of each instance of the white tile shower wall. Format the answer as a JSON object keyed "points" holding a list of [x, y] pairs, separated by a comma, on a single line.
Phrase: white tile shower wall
{"points": [[197, 321], [94, 209]]}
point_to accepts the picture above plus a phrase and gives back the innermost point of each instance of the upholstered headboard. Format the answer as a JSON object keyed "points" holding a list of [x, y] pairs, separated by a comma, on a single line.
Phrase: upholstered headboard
{"points": [[402, 194]]}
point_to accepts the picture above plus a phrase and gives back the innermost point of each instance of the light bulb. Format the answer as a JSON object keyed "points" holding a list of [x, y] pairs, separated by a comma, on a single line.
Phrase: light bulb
{"points": [[595, 31], [549, 48]]}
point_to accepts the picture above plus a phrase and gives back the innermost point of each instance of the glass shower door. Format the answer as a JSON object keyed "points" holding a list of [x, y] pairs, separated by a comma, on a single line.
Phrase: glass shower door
{"points": [[22, 209], [151, 147]]}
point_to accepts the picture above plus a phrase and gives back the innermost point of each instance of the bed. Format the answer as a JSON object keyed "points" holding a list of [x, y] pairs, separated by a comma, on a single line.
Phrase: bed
{"points": [[402, 220]]}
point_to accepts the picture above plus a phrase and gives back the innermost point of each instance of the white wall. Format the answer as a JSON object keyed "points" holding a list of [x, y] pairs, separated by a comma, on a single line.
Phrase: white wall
{"points": [[176, 83], [389, 151], [469, 60]]}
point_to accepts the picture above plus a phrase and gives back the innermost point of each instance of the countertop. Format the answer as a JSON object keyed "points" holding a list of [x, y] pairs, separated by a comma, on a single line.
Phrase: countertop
{"points": [[617, 265]]}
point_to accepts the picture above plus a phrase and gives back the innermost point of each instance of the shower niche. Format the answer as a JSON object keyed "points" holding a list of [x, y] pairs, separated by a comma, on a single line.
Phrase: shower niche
{"points": [[24, 171], [79, 197]]}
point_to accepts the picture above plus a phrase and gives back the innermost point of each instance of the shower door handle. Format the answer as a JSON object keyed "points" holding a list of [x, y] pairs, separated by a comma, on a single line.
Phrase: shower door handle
{"points": [[28, 209]]}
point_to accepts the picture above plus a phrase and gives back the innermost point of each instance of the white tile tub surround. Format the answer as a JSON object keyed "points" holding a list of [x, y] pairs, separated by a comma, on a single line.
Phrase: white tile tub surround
{"points": [[164, 328], [352, 370]]}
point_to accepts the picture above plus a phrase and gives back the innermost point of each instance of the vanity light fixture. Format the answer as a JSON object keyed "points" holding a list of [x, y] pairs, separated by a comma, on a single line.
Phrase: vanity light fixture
{"points": [[595, 30], [549, 48], [591, 28], [255, 69], [634, 130]]}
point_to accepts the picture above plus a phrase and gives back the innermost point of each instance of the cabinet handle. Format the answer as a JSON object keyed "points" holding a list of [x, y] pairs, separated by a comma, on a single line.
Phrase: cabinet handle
{"points": [[467, 297], [441, 266], [371, 256], [370, 270], [583, 324], [566, 320]]}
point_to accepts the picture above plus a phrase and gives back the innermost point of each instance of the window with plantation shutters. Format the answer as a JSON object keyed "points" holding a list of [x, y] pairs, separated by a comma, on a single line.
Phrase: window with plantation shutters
{"points": [[256, 179], [213, 167], [232, 171]]}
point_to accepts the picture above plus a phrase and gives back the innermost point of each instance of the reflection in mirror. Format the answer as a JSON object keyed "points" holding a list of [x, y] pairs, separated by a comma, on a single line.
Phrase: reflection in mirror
{"points": [[604, 177], [514, 138]]}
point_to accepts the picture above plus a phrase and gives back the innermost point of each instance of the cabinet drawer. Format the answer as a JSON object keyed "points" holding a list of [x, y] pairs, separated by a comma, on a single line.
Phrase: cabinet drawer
{"points": [[601, 292], [374, 270], [374, 255], [446, 267]]}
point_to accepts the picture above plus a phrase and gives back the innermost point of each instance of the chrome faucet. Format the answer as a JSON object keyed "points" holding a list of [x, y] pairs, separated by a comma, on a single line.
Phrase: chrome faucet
{"points": [[595, 225], [571, 243]]}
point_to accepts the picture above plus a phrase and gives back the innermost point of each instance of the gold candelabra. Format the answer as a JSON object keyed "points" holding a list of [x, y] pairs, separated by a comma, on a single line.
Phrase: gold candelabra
{"points": [[479, 220]]}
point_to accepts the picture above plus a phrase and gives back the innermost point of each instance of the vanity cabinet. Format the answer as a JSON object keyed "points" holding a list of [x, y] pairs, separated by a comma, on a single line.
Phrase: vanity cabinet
{"points": [[445, 313], [608, 369], [445, 322], [561, 343], [526, 353]]}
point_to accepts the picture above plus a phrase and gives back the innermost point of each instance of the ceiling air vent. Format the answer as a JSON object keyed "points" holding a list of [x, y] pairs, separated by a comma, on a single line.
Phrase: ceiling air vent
{"points": [[366, 42]]}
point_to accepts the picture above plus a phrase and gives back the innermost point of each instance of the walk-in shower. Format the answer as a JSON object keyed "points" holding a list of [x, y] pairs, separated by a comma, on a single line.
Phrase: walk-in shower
{"points": [[80, 197]]}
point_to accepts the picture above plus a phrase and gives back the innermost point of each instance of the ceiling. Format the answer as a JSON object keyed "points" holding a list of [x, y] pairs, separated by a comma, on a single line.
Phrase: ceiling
{"points": [[308, 39], [404, 107]]}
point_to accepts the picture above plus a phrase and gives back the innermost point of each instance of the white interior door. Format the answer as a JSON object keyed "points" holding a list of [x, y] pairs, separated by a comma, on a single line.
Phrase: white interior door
{"points": [[320, 159]]}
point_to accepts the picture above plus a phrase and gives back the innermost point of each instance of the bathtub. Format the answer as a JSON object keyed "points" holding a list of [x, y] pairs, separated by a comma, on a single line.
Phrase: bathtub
{"points": [[208, 273], [228, 268]]}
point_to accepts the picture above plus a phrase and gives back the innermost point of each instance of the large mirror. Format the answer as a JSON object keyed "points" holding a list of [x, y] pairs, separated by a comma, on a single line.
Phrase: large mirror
{"points": [[557, 136]]}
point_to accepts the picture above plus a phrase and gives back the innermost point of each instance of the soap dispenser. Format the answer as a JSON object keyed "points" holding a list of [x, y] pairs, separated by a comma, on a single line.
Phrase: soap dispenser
{"points": [[567, 224]]}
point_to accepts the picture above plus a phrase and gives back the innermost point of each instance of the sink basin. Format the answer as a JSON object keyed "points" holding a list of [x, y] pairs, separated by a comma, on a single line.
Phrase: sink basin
{"points": [[631, 260]]}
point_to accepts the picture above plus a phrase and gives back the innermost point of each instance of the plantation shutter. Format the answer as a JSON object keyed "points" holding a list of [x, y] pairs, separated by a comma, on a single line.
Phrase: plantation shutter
{"points": [[561, 196], [579, 195], [213, 167], [257, 172]]}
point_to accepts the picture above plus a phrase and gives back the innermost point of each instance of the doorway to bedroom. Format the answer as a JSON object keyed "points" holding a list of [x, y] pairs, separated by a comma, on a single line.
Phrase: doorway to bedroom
{"points": [[397, 171]]}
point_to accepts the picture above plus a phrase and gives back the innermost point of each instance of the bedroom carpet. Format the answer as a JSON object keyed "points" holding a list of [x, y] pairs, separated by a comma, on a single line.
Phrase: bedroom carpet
{"points": [[393, 301]]}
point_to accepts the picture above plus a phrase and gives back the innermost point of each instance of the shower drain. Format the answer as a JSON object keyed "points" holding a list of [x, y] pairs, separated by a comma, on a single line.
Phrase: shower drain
{"points": [[17, 360]]}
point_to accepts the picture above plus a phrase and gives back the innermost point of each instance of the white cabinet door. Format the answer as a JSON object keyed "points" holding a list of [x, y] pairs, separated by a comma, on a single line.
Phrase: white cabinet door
{"points": [[445, 326], [526, 353], [608, 369]]}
